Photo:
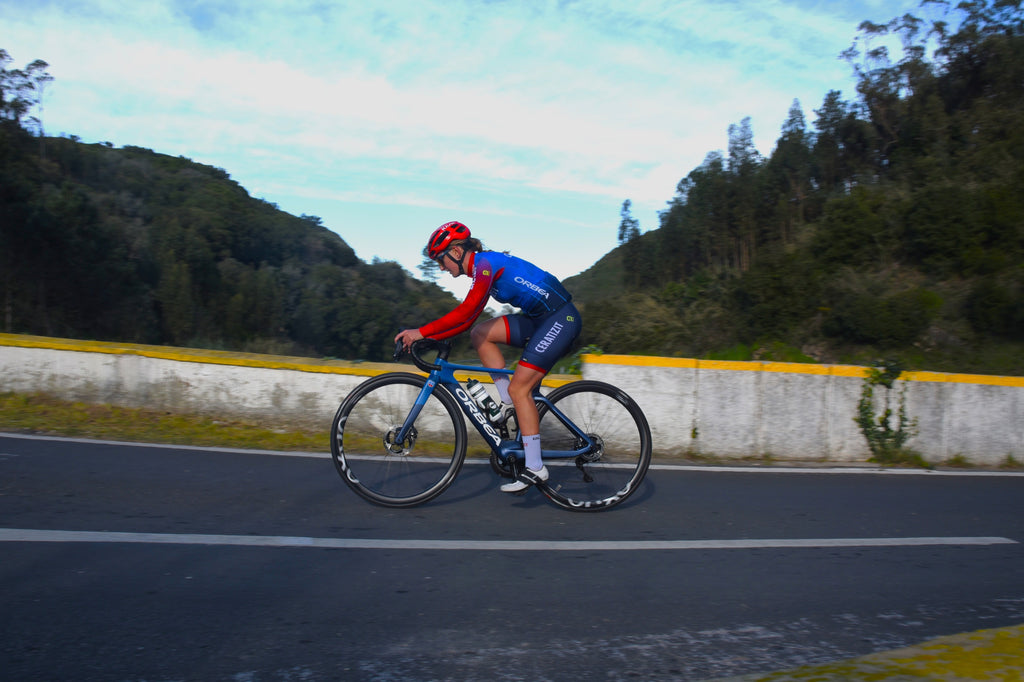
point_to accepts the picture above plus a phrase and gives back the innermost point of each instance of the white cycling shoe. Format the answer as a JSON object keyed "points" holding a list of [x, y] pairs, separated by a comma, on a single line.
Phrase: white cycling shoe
{"points": [[527, 478]]}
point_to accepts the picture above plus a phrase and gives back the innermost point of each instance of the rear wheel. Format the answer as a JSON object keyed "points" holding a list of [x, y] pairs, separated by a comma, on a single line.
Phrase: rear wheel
{"points": [[615, 465], [375, 463]]}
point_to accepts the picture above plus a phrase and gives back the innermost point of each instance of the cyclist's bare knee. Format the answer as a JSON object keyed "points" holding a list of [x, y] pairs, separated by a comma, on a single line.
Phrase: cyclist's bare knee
{"points": [[523, 382]]}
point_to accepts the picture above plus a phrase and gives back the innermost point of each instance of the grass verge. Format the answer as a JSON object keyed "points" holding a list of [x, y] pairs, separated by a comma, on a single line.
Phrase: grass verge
{"points": [[46, 415]]}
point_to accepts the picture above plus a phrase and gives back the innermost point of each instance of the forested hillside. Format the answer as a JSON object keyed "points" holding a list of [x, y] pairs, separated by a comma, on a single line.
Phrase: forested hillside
{"points": [[894, 227], [131, 245]]}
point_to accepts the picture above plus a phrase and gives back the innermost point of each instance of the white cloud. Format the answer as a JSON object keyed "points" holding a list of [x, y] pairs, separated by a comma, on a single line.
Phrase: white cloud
{"points": [[502, 107]]}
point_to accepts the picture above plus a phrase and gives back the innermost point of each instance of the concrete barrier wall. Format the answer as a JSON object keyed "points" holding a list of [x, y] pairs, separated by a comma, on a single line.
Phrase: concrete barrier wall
{"points": [[786, 411], [278, 391], [791, 411]]}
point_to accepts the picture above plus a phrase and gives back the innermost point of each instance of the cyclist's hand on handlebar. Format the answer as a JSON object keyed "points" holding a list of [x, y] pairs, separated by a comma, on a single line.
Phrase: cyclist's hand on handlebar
{"points": [[406, 337]]}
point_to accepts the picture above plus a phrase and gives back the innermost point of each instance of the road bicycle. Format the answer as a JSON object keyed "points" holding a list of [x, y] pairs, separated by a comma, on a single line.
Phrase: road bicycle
{"points": [[400, 439]]}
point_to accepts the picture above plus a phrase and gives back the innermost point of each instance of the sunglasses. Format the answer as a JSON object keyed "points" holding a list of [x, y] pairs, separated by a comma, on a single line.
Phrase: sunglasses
{"points": [[441, 256]]}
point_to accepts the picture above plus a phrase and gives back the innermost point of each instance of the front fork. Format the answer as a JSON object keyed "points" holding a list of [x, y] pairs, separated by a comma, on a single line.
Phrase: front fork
{"points": [[404, 437]]}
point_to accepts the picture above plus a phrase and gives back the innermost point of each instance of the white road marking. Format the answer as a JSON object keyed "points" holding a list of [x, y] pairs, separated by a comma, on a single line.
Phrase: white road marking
{"points": [[823, 468], [165, 446], [29, 535]]}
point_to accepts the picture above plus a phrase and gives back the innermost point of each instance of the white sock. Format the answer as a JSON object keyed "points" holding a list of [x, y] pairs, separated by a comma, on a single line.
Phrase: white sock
{"points": [[531, 444], [501, 382]]}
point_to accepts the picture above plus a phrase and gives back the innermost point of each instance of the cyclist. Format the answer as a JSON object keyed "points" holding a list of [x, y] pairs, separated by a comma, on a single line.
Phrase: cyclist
{"points": [[545, 329]]}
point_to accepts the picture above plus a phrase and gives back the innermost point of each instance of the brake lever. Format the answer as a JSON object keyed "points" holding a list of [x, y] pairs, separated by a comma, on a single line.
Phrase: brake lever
{"points": [[399, 351]]}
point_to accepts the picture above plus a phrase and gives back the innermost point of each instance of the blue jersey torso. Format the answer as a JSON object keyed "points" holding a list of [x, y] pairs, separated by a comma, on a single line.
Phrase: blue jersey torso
{"points": [[522, 284]]}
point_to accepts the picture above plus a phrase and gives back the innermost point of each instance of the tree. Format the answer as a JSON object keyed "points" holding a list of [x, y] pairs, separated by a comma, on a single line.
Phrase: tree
{"points": [[39, 78], [744, 163], [629, 227], [21, 90], [789, 170], [696, 224], [428, 266], [743, 155], [829, 162]]}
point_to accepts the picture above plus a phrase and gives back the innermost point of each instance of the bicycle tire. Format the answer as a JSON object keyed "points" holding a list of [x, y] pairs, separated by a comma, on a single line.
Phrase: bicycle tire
{"points": [[607, 476], [397, 474]]}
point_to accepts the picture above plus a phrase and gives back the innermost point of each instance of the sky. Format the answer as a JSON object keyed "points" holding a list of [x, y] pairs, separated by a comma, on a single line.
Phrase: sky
{"points": [[531, 121]]}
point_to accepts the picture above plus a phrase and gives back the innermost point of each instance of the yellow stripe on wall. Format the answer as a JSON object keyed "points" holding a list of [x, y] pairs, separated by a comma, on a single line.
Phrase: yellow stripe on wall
{"points": [[219, 357], [796, 368], [212, 357], [375, 368]]}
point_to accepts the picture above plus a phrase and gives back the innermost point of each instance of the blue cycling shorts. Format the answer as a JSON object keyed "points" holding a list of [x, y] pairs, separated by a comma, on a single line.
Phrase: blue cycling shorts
{"points": [[544, 339]]}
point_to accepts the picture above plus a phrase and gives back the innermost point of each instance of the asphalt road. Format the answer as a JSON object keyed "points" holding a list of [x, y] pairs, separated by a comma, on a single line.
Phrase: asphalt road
{"points": [[124, 562]]}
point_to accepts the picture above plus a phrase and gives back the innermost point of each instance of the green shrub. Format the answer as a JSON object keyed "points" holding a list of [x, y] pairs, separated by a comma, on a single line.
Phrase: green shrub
{"points": [[886, 440], [995, 308], [894, 320]]}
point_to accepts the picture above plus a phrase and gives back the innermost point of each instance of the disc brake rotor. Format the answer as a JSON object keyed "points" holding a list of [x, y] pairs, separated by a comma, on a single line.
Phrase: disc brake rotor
{"points": [[393, 447]]}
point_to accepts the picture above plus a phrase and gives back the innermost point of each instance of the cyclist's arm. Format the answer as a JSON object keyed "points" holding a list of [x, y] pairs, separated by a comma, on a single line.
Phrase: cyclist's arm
{"points": [[464, 315]]}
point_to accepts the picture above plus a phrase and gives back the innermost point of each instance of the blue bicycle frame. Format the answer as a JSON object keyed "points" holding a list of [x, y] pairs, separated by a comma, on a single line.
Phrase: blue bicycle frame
{"points": [[443, 373], [600, 466]]}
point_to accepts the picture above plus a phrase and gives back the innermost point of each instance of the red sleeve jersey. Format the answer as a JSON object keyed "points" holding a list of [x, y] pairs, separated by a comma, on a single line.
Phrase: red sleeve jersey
{"points": [[464, 315]]}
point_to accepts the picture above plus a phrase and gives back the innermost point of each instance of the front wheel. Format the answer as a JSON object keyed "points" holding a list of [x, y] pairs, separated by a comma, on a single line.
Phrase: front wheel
{"points": [[380, 466], [614, 466]]}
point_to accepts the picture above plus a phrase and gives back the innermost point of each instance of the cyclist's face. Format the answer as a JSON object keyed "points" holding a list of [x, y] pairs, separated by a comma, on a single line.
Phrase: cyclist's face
{"points": [[449, 261]]}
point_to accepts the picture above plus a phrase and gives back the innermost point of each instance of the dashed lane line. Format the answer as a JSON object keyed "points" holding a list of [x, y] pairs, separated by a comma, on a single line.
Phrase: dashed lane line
{"points": [[30, 535]]}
